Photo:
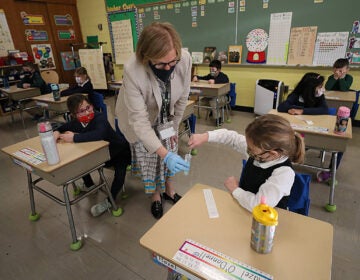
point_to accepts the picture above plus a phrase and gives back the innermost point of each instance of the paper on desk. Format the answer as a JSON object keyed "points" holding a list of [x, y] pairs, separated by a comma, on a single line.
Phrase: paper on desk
{"points": [[310, 128], [30, 155], [215, 265]]}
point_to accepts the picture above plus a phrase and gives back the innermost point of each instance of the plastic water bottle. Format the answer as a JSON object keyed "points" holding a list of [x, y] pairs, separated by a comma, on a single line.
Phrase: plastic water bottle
{"points": [[265, 220], [56, 91], [48, 143], [187, 159], [6, 82], [342, 119]]}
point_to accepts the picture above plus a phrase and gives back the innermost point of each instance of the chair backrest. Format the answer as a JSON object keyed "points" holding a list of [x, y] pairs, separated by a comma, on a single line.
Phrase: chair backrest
{"points": [[355, 106], [97, 99], [332, 111], [299, 199], [50, 76], [232, 94]]}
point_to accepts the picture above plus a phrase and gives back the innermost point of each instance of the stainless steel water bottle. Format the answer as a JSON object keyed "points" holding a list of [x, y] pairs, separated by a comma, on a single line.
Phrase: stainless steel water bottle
{"points": [[48, 143], [264, 222]]}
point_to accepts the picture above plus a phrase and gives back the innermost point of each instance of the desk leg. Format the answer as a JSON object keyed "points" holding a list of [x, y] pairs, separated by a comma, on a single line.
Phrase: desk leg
{"points": [[117, 211], [331, 207], [33, 215], [217, 112], [21, 114], [198, 101], [76, 244]]}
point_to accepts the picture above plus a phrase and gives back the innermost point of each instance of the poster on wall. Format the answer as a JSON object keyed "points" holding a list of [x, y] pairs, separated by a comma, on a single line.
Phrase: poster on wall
{"points": [[28, 19], [93, 61], [69, 60], [279, 34], [66, 34], [36, 35], [329, 46], [302, 44], [122, 40], [63, 19], [6, 42], [43, 56]]}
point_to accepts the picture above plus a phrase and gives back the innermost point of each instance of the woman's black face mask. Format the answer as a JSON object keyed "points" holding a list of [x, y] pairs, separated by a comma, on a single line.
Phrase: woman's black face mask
{"points": [[162, 74]]}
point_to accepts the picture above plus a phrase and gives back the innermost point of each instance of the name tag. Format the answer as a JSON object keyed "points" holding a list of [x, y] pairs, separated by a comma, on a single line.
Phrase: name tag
{"points": [[166, 130]]}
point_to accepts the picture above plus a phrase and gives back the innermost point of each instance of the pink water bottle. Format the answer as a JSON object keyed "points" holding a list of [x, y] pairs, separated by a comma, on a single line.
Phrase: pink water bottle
{"points": [[342, 119]]}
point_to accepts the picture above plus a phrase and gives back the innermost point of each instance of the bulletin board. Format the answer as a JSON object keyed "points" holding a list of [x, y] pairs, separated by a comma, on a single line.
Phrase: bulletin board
{"points": [[222, 23]]}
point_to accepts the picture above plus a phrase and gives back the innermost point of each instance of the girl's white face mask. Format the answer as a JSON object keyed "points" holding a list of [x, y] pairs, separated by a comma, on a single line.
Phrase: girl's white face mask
{"points": [[78, 80], [320, 92]]}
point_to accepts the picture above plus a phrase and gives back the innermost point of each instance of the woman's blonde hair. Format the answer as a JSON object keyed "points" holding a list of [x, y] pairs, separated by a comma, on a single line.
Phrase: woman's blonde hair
{"points": [[156, 41], [272, 132]]}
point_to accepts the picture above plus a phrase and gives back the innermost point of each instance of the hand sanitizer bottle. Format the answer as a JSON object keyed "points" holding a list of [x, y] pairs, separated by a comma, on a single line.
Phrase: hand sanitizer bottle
{"points": [[187, 159]]}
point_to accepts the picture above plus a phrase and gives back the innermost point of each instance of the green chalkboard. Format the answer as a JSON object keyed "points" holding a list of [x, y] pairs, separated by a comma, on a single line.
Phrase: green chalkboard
{"points": [[220, 23]]}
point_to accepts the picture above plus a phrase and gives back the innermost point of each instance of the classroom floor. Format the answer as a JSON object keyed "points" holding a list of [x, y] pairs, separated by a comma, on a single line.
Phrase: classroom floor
{"points": [[40, 250]]}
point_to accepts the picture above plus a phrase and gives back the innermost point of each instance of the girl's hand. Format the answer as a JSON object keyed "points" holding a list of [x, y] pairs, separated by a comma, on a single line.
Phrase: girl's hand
{"points": [[197, 140], [295, 111], [68, 136], [231, 184], [56, 135]]}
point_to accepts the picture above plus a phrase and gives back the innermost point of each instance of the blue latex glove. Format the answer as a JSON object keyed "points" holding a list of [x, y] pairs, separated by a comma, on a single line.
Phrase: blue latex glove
{"points": [[175, 163]]}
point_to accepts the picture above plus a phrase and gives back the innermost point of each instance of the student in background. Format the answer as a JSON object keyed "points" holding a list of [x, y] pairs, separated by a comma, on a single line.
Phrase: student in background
{"points": [[307, 98], [83, 83], [32, 78], [214, 77], [271, 145], [86, 126], [150, 106], [340, 80]]}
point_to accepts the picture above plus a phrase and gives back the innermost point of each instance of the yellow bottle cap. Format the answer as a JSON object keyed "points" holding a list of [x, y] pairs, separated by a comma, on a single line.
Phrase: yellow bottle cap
{"points": [[265, 214]]}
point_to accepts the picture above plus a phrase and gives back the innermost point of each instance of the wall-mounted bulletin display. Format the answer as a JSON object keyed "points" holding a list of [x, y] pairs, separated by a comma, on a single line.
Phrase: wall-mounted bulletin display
{"points": [[6, 42], [222, 23]]}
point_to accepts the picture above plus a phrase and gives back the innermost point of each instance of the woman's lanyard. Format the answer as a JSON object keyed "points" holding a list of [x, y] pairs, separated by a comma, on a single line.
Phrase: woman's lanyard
{"points": [[165, 107]]}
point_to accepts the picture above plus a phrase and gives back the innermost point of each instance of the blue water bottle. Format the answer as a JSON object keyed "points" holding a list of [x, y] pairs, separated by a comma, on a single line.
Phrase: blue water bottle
{"points": [[56, 92], [6, 82]]}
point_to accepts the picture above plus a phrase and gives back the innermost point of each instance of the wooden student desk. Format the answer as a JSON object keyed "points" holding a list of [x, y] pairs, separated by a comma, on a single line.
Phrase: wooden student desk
{"points": [[302, 245], [76, 160], [202, 89], [321, 140], [20, 95], [115, 86], [336, 99], [48, 103]]}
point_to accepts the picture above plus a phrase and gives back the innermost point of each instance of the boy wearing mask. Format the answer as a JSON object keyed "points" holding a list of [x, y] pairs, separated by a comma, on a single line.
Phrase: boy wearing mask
{"points": [[214, 77]]}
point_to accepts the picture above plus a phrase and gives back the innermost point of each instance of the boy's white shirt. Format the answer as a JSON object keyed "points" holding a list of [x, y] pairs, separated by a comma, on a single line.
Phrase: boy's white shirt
{"points": [[275, 187]]}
